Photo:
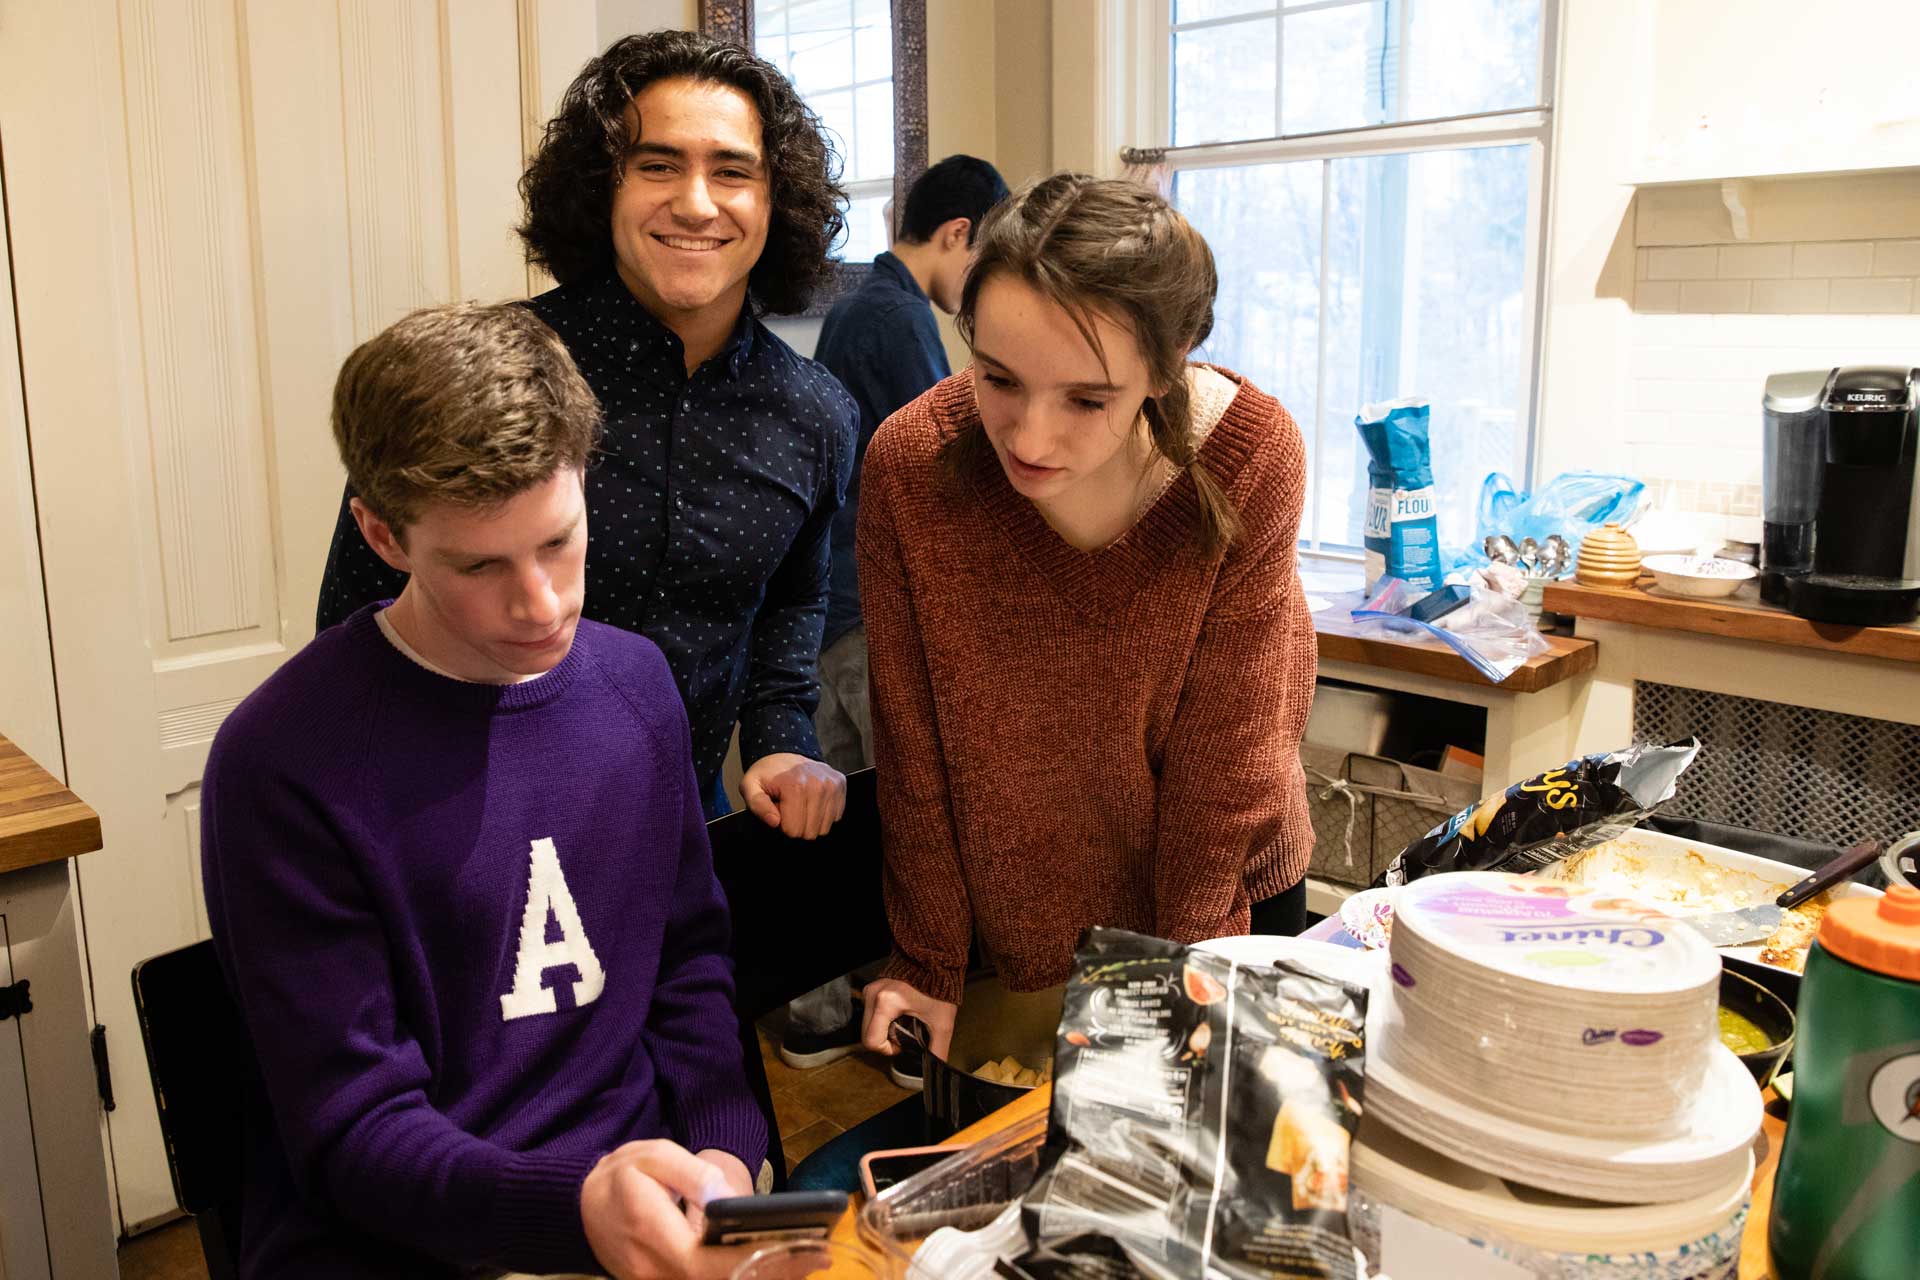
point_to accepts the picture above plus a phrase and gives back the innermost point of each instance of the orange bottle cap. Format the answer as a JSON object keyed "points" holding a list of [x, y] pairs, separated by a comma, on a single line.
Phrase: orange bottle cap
{"points": [[1881, 934]]}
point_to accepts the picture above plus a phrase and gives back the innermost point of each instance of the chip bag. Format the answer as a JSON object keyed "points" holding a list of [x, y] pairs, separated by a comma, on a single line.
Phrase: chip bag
{"points": [[1203, 1112], [1555, 815]]}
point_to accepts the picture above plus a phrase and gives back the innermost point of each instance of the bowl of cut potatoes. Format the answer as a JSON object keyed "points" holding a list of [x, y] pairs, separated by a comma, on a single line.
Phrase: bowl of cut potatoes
{"points": [[1002, 1047]]}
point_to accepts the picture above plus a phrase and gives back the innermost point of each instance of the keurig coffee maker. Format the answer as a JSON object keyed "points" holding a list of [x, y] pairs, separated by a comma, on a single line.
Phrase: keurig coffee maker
{"points": [[1841, 542]]}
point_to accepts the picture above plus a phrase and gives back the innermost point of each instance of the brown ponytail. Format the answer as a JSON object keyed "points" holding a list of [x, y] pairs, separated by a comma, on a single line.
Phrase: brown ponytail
{"points": [[1117, 249]]}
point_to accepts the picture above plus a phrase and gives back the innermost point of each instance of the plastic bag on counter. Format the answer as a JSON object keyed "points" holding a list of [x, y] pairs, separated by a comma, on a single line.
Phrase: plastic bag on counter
{"points": [[1493, 631], [1402, 535], [1532, 824], [1203, 1116], [1572, 504]]}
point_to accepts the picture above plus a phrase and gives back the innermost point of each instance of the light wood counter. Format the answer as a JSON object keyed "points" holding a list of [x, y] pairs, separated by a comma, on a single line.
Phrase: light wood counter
{"points": [[40, 820], [1741, 616]]}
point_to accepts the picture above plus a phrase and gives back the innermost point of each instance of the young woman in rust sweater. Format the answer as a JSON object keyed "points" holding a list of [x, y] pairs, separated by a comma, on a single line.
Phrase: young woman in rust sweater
{"points": [[1091, 659]]}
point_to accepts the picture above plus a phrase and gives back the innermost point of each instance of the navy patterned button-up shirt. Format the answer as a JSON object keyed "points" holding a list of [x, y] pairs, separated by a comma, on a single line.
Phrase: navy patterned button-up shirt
{"points": [[709, 511]]}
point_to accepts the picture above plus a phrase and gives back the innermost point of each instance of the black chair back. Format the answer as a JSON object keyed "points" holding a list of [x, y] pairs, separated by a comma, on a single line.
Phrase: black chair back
{"points": [[199, 1057], [804, 913]]}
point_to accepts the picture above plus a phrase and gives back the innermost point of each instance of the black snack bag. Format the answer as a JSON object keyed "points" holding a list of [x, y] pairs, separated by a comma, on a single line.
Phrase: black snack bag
{"points": [[1202, 1117], [1555, 815]]}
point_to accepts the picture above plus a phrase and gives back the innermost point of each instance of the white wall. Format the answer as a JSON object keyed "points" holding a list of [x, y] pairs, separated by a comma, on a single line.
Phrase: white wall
{"points": [[616, 18], [1662, 321]]}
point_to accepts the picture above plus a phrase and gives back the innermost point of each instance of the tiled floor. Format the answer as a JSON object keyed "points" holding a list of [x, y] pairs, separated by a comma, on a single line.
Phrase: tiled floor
{"points": [[812, 1106]]}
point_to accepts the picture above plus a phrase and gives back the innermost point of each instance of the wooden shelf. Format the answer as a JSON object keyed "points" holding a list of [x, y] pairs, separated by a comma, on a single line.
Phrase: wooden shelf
{"points": [[40, 820], [1739, 617], [1342, 641]]}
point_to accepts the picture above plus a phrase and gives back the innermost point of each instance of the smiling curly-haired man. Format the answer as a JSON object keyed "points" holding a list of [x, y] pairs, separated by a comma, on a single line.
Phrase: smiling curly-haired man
{"points": [[684, 190]]}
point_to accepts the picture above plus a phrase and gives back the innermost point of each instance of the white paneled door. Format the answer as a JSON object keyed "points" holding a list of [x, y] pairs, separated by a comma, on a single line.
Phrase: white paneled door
{"points": [[210, 202]]}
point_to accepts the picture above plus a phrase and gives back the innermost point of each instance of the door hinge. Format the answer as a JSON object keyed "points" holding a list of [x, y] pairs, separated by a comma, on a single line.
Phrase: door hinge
{"points": [[15, 1000], [102, 1078]]}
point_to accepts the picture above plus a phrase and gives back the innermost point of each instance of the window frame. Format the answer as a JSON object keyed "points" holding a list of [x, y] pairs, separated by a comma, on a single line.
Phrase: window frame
{"points": [[732, 20], [1531, 126]]}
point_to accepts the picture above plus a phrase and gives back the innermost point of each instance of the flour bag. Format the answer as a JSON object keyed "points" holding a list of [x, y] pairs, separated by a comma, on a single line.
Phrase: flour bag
{"points": [[1402, 537]]}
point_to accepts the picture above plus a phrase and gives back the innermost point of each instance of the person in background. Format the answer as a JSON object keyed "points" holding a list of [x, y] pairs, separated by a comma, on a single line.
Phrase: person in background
{"points": [[1092, 660], [882, 343], [684, 189], [457, 870]]}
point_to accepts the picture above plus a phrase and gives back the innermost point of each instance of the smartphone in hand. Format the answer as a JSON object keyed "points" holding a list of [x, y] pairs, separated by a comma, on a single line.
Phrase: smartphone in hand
{"points": [[784, 1215]]}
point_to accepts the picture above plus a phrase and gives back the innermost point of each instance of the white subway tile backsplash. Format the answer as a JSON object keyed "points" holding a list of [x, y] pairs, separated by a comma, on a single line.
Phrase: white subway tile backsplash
{"points": [[1833, 258], [1756, 261], [1790, 296], [1716, 296], [1734, 426], [1896, 258], [1875, 296], [1683, 395]]}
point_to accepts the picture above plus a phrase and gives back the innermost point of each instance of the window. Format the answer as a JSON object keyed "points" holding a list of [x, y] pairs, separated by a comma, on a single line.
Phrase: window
{"points": [[1369, 174], [839, 55]]}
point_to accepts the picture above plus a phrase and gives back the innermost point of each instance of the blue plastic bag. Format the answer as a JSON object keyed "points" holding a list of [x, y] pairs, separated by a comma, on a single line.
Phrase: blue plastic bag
{"points": [[1402, 536], [1572, 504]]}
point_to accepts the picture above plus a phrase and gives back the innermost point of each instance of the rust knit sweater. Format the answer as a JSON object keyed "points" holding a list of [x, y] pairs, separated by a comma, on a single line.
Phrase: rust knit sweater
{"points": [[1066, 738]]}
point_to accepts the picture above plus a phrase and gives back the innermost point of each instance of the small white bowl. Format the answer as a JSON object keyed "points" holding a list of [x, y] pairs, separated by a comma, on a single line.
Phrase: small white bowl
{"points": [[1708, 577]]}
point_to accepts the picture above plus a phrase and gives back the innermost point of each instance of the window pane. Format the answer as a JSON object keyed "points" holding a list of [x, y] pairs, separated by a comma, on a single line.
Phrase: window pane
{"points": [[866, 229], [1473, 55], [822, 44], [1201, 10], [873, 108], [1336, 73], [1223, 83], [1426, 259], [774, 49], [1426, 264], [1352, 65], [836, 117], [872, 40], [1263, 223]]}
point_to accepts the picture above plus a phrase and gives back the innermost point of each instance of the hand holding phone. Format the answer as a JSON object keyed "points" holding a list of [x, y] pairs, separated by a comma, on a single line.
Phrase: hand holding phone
{"points": [[784, 1215], [631, 1207]]}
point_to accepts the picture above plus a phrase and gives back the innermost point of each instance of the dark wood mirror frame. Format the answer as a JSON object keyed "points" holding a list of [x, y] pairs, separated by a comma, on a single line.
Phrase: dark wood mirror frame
{"points": [[733, 20]]}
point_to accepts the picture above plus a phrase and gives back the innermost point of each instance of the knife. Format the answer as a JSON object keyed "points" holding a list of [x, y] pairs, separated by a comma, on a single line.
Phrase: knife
{"points": [[1833, 872], [1736, 928]]}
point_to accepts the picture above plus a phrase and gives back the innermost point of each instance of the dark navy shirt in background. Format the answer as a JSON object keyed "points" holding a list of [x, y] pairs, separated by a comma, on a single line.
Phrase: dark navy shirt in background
{"points": [[709, 511], [883, 345]]}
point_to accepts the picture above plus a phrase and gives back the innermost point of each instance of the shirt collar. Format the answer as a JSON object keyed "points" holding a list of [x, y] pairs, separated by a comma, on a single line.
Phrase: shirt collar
{"points": [[885, 263], [628, 320]]}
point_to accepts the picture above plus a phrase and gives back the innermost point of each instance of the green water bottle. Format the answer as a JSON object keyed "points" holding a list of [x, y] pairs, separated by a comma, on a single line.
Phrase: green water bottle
{"points": [[1846, 1201]]}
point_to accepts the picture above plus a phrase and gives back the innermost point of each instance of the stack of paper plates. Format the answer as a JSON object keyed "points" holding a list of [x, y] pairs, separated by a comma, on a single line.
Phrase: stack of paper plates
{"points": [[1563, 1042], [1553, 1235]]}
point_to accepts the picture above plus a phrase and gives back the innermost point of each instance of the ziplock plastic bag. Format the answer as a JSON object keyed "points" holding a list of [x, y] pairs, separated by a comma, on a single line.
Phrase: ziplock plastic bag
{"points": [[1551, 816], [1402, 535], [1492, 631], [1572, 504], [1203, 1118]]}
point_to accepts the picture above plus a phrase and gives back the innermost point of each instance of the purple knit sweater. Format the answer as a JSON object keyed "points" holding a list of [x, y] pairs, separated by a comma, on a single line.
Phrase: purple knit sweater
{"points": [[477, 941]]}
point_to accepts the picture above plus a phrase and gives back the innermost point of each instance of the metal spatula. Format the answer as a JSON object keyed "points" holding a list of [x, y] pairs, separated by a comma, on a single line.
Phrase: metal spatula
{"points": [[1736, 928]]}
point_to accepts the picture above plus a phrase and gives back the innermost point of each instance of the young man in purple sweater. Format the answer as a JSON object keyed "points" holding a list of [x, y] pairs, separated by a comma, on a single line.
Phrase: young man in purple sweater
{"points": [[457, 870]]}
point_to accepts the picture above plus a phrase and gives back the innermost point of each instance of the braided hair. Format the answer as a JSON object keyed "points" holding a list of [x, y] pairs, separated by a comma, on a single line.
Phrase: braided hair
{"points": [[1116, 249]]}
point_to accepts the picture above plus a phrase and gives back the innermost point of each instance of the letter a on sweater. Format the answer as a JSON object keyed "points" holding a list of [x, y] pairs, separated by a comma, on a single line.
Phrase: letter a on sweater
{"points": [[547, 891]]}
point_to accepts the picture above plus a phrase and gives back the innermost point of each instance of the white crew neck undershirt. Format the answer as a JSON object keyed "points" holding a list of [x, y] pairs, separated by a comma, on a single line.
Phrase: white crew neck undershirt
{"points": [[392, 633]]}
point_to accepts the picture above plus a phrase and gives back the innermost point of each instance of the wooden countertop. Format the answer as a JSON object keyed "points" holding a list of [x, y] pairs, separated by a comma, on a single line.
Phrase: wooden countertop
{"points": [[1341, 640], [1738, 617], [40, 820], [1753, 1242]]}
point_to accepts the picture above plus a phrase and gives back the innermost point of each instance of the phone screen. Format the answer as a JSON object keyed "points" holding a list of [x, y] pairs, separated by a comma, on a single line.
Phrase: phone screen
{"points": [[886, 1170]]}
